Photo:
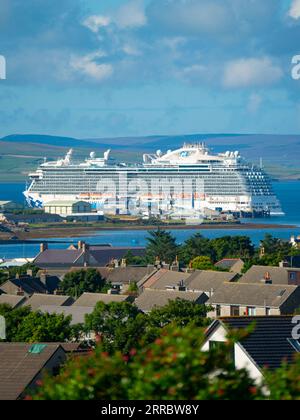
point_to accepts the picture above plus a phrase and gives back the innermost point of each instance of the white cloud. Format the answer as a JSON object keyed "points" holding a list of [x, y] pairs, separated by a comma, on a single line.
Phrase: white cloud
{"points": [[247, 72], [96, 22], [131, 15], [88, 66], [294, 11]]}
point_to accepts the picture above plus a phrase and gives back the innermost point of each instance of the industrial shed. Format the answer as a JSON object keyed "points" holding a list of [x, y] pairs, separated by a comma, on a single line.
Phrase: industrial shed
{"points": [[65, 208]]}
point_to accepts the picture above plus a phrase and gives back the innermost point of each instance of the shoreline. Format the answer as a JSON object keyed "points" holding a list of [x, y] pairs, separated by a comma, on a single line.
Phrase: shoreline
{"points": [[76, 232]]}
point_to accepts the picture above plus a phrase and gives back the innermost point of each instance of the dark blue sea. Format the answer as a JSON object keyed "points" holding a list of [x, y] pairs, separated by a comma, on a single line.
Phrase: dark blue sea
{"points": [[288, 193]]}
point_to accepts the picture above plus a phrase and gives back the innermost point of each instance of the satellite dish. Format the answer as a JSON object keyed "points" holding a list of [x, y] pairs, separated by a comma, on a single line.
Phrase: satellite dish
{"points": [[159, 153], [92, 155]]}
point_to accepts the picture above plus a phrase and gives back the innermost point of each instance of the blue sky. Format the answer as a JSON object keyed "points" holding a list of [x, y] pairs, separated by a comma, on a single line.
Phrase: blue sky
{"points": [[105, 68]]}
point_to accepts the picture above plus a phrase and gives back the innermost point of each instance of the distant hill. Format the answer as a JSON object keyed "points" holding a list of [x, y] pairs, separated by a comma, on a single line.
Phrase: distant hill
{"points": [[20, 153]]}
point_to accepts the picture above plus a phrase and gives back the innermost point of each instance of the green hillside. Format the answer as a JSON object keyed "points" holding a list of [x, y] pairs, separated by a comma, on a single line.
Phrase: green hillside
{"points": [[20, 154]]}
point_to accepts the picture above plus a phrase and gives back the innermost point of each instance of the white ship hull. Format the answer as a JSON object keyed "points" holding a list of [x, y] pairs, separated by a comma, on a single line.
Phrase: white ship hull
{"points": [[186, 180]]}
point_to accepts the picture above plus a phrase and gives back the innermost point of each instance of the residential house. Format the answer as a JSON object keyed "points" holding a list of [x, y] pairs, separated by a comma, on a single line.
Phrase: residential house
{"points": [[22, 365], [271, 275], [267, 346], [129, 274], [83, 256], [291, 262], [13, 301], [28, 285], [150, 299], [195, 281], [208, 281], [77, 313], [234, 265], [37, 300], [236, 299], [165, 279], [91, 299]]}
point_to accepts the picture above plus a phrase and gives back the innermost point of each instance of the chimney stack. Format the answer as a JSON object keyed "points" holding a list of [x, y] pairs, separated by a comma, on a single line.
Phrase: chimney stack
{"points": [[43, 247], [86, 254]]}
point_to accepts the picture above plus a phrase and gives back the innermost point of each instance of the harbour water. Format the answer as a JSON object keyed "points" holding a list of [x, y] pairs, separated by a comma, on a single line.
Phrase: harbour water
{"points": [[287, 192]]}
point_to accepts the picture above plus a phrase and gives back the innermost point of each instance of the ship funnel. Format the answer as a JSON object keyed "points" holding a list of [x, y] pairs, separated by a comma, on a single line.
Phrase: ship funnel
{"points": [[106, 154]]}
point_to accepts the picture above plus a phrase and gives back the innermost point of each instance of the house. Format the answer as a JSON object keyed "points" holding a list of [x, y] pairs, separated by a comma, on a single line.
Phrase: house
{"points": [[271, 275], [196, 281], [234, 265], [7, 206], [83, 255], [13, 301], [151, 299], [129, 274], [66, 208], [22, 365], [291, 262], [268, 345], [208, 281], [77, 313], [91, 299], [37, 300], [27, 285], [165, 279], [236, 299]]}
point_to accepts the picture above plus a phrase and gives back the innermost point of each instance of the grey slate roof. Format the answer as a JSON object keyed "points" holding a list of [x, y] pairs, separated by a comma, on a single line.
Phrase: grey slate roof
{"points": [[12, 300], [37, 300], [18, 367], [208, 280], [165, 279], [270, 343], [28, 284], [128, 274], [104, 255], [91, 299], [228, 263], [77, 312], [159, 298], [52, 257], [257, 273], [252, 294], [203, 281]]}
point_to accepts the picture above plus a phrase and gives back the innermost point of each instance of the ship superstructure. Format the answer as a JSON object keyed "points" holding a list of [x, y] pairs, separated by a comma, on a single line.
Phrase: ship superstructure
{"points": [[187, 180]]}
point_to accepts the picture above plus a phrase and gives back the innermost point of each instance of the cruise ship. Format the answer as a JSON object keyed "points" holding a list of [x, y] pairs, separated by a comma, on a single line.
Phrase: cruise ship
{"points": [[189, 180]]}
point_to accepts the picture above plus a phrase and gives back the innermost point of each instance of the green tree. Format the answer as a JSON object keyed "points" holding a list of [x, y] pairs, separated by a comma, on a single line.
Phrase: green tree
{"points": [[171, 368], [203, 263], [21, 271], [233, 247], [13, 319], [3, 276], [283, 383], [180, 312], [120, 325], [83, 281], [23, 325], [194, 247], [161, 244], [38, 327], [132, 260]]}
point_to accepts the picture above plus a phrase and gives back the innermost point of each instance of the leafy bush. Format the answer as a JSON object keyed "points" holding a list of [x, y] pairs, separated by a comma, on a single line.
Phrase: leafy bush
{"points": [[171, 368]]}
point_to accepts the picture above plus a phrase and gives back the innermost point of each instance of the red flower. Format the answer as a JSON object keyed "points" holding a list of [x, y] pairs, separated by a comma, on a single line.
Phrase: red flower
{"points": [[133, 352]]}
